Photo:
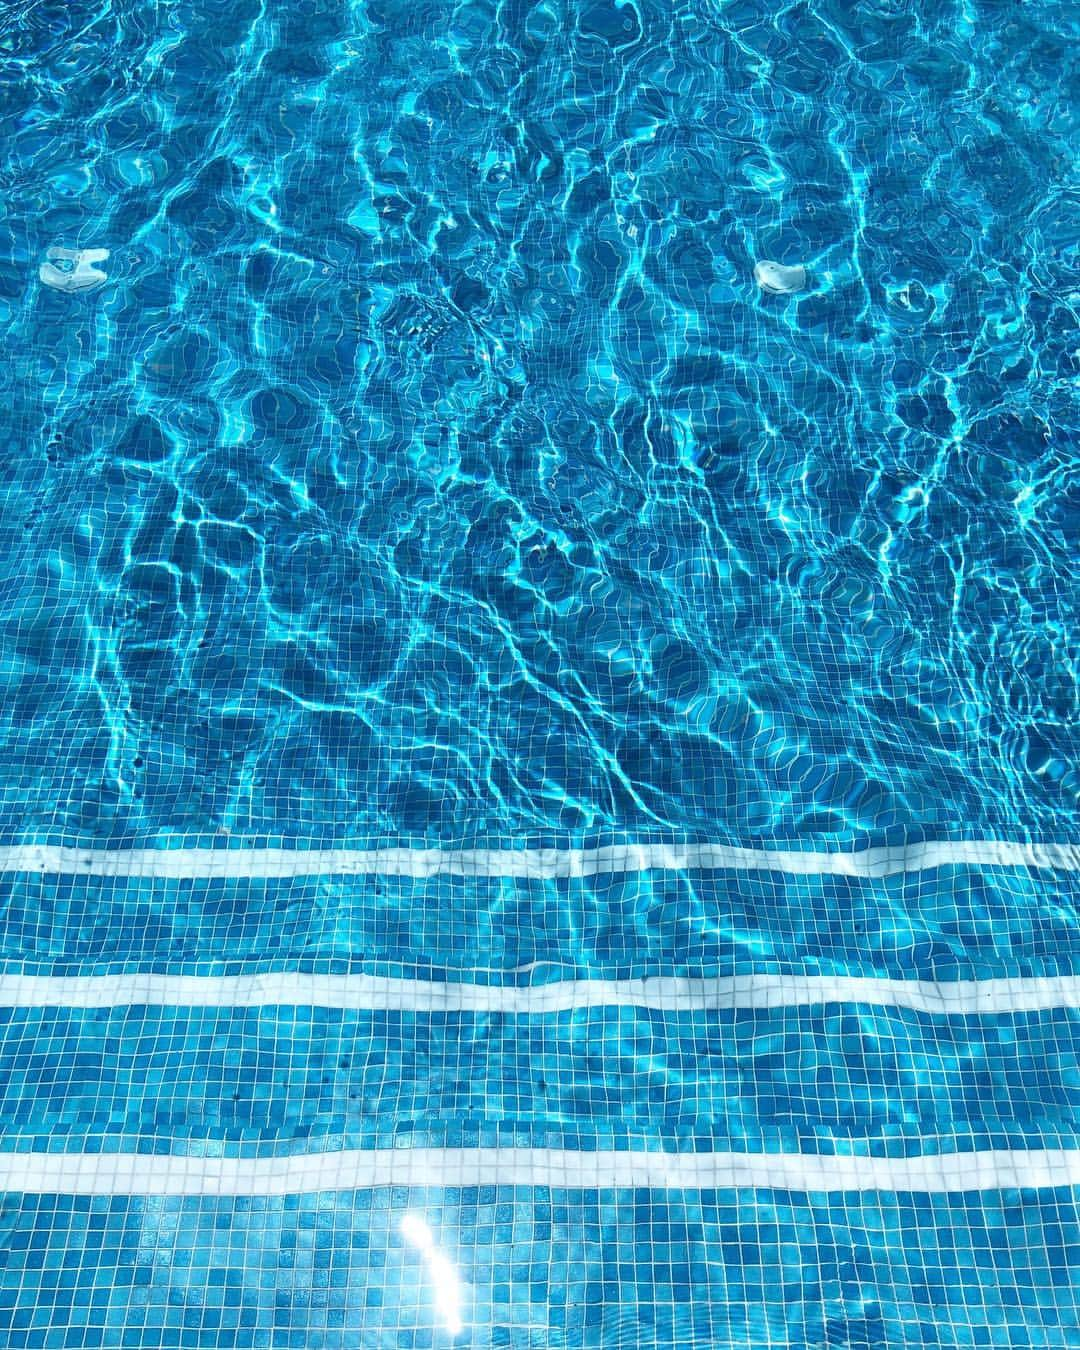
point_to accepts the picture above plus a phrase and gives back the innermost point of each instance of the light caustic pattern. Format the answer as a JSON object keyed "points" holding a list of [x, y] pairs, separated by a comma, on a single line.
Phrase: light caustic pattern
{"points": [[538, 794], [431, 468]]}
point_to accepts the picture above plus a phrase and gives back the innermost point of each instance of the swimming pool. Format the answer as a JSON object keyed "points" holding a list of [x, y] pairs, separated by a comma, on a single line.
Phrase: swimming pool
{"points": [[538, 803]]}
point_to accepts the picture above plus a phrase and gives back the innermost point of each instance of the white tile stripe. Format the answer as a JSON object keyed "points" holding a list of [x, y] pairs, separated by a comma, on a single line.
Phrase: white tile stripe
{"points": [[142, 1174], [665, 993], [544, 863]]}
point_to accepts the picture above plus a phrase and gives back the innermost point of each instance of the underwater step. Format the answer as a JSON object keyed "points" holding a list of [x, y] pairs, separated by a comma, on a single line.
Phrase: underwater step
{"points": [[73, 269]]}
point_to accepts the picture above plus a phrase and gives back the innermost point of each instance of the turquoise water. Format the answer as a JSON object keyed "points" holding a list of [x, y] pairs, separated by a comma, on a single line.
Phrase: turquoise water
{"points": [[431, 468], [428, 471]]}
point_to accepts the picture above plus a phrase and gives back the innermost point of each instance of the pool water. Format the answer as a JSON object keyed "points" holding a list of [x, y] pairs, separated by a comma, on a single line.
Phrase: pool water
{"points": [[539, 793]]}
